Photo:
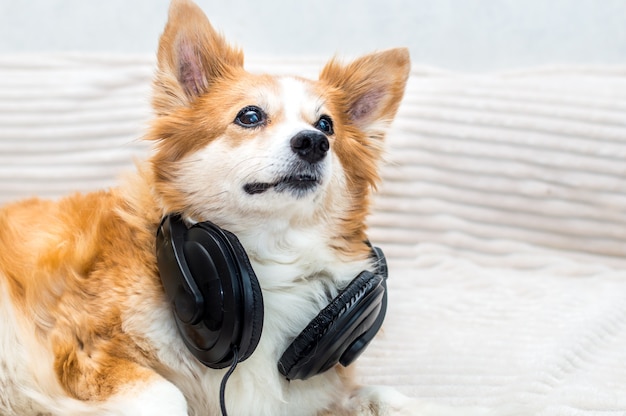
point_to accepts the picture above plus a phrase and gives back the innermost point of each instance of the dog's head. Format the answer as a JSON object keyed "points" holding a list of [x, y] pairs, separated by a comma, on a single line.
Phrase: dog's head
{"points": [[243, 149]]}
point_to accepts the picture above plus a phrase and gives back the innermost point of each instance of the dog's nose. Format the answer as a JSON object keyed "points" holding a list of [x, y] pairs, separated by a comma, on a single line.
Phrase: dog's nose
{"points": [[311, 146]]}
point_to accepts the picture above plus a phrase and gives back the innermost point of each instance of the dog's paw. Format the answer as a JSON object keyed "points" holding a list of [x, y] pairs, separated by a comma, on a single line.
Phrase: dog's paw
{"points": [[386, 401], [158, 398]]}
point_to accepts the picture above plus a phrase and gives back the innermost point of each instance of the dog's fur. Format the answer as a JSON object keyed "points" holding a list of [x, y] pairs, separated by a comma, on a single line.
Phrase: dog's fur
{"points": [[86, 328]]}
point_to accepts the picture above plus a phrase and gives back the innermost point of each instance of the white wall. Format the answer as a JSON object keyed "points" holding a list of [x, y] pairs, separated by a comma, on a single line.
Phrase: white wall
{"points": [[454, 34]]}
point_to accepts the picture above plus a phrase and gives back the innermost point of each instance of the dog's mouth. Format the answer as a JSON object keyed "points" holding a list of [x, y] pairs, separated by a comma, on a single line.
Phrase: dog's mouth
{"points": [[298, 184]]}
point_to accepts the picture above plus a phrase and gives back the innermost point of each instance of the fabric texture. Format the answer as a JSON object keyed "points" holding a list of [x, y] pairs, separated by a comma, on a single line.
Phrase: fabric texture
{"points": [[502, 213]]}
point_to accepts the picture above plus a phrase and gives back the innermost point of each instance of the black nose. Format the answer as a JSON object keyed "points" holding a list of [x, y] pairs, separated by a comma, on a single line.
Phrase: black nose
{"points": [[311, 146]]}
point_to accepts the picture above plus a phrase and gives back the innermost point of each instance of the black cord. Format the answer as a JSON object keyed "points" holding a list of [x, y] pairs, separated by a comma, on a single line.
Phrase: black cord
{"points": [[225, 379]]}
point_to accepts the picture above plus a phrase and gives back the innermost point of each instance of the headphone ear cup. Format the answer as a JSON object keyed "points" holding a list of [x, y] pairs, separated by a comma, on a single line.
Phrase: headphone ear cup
{"points": [[251, 302], [242, 299], [335, 329], [207, 263]]}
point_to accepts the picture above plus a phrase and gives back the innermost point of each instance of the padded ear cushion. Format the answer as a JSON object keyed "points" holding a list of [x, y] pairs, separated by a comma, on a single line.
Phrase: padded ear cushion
{"points": [[251, 302], [241, 303], [322, 343]]}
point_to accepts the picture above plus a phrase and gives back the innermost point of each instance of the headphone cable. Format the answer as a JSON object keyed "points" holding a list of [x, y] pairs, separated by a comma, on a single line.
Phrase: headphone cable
{"points": [[225, 380]]}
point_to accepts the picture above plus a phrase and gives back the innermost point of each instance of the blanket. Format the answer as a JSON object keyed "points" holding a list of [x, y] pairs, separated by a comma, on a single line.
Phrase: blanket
{"points": [[502, 212]]}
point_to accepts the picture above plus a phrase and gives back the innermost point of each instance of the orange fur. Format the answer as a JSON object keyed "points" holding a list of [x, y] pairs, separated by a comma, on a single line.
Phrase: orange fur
{"points": [[358, 85], [71, 267], [188, 37]]}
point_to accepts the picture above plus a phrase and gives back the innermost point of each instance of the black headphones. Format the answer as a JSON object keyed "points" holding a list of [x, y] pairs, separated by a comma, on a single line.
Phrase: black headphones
{"points": [[218, 303]]}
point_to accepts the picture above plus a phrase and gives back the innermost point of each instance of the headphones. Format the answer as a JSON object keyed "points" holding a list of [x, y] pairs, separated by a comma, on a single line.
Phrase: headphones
{"points": [[218, 303]]}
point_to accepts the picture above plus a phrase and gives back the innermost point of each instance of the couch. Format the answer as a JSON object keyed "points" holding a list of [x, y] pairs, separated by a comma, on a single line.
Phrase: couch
{"points": [[502, 213]]}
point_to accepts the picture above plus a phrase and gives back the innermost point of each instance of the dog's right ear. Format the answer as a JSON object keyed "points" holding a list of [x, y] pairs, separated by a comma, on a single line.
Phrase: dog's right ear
{"points": [[191, 55]]}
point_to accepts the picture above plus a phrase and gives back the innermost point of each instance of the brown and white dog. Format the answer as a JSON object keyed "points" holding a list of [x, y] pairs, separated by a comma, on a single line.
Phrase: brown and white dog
{"points": [[86, 327]]}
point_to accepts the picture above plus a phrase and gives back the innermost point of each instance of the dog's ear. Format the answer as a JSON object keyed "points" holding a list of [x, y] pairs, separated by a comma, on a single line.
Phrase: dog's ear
{"points": [[191, 55], [370, 88]]}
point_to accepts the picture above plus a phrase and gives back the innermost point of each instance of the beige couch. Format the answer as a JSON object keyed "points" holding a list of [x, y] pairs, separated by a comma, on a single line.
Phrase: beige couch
{"points": [[502, 212]]}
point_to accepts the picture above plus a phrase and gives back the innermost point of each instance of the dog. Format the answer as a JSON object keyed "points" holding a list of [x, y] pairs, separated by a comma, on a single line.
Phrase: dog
{"points": [[286, 164]]}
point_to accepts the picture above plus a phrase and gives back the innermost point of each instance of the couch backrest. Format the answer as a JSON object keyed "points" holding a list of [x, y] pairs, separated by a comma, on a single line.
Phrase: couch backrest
{"points": [[475, 162]]}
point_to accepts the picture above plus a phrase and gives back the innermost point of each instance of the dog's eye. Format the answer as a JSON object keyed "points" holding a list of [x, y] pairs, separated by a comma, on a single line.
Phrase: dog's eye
{"points": [[250, 116], [325, 124]]}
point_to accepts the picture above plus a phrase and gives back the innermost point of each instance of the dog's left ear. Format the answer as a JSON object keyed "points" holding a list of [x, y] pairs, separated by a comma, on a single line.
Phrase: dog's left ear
{"points": [[191, 55], [370, 88]]}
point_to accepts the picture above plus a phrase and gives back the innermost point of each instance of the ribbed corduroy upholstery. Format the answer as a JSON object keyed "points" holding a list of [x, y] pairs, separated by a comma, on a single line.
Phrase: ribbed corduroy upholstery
{"points": [[502, 212]]}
